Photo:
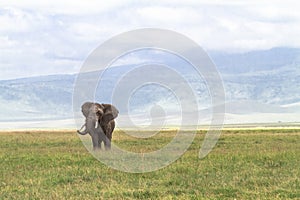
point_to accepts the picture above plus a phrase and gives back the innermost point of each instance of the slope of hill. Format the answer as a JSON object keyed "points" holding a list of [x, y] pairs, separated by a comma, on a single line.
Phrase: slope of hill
{"points": [[255, 82]]}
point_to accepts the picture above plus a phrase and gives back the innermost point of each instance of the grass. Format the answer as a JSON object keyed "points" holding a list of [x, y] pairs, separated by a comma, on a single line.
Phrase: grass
{"points": [[245, 164]]}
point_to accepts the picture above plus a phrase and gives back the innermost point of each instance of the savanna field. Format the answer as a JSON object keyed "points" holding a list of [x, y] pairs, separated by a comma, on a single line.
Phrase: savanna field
{"points": [[245, 164]]}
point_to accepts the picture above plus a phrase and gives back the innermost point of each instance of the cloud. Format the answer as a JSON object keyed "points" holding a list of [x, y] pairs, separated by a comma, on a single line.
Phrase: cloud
{"points": [[74, 7], [56, 36]]}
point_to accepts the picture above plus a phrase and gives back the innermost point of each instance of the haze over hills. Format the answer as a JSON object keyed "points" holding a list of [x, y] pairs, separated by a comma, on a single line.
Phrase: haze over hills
{"points": [[259, 83]]}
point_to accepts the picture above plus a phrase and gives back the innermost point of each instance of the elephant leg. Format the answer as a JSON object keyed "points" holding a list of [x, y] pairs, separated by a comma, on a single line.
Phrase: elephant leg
{"points": [[100, 143], [101, 139], [107, 143], [108, 128], [101, 135], [107, 140]]}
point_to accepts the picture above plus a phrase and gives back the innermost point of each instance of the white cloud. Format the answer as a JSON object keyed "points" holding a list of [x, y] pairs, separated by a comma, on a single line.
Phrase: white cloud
{"points": [[74, 7], [165, 15], [59, 35]]}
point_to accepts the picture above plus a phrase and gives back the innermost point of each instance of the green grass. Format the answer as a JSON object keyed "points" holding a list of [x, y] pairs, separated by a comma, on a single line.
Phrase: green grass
{"points": [[245, 164]]}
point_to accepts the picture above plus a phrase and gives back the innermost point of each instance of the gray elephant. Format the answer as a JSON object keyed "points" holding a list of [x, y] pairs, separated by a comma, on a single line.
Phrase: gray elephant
{"points": [[100, 123]]}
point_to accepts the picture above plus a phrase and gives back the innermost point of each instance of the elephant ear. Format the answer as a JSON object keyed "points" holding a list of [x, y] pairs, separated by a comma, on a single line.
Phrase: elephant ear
{"points": [[85, 108], [110, 112], [99, 109]]}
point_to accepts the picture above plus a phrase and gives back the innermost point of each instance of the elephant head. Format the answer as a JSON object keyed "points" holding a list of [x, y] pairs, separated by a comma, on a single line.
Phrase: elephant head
{"points": [[90, 109]]}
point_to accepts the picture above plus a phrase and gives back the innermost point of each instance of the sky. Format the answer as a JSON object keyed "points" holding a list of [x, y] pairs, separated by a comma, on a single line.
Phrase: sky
{"points": [[55, 37]]}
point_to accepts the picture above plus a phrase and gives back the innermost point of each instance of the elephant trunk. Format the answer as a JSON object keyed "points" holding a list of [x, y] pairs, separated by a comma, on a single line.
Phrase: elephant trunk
{"points": [[82, 133]]}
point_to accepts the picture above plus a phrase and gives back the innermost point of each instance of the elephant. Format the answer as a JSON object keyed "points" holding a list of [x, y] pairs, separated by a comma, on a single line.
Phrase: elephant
{"points": [[99, 123]]}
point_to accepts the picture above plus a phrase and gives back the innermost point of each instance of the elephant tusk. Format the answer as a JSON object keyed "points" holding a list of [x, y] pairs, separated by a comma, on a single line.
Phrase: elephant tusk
{"points": [[96, 125]]}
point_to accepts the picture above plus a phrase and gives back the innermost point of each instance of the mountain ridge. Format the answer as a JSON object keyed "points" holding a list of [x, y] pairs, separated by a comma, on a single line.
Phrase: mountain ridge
{"points": [[274, 86]]}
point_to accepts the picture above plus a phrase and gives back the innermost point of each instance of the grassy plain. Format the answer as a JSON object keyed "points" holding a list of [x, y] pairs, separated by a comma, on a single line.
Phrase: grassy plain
{"points": [[245, 164]]}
